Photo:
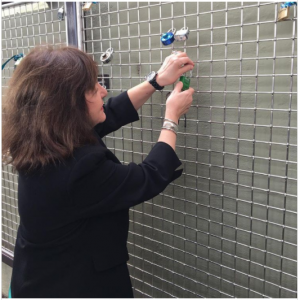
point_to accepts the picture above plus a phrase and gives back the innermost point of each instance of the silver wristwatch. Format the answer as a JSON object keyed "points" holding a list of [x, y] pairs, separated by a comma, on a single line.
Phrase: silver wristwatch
{"points": [[151, 78]]}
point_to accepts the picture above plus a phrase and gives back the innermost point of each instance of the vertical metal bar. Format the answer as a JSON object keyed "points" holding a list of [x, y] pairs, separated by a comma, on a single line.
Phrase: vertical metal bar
{"points": [[46, 28], [287, 149], [79, 24], [197, 134], [6, 49], [52, 24], [173, 254], [34, 34], [120, 55], [254, 137], [92, 38], [60, 31], [270, 150], [71, 24], [39, 27], [16, 33], [210, 132], [224, 126]]}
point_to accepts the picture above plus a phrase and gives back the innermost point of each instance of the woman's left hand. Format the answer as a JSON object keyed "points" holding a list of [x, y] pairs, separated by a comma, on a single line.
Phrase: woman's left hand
{"points": [[173, 67]]}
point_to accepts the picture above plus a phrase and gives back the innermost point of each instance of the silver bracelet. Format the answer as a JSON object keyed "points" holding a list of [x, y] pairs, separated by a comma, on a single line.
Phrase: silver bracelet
{"points": [[171, 126], [169, 129], [171, 121]]}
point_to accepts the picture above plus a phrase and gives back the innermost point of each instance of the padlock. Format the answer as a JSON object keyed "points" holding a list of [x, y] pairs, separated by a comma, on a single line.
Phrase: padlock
{"points": [[186, 82], [107, 56], [15, 58], [186, 85], [288, 3], [168, 37], [87, 6], [61, 14], [182, 34], [283, 13], [18, 62]]}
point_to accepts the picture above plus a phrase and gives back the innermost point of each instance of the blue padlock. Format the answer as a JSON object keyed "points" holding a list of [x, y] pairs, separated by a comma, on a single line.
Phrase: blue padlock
{"points": [[168, 37], [288, 4]]}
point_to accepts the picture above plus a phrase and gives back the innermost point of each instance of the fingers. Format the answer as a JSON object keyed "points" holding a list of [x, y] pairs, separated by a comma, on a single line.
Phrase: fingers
{"points": [[178, 87], [185, 61], [189, 98], [190, 91], [181, 58], [185, 69], [179, 53], [185, 64]]}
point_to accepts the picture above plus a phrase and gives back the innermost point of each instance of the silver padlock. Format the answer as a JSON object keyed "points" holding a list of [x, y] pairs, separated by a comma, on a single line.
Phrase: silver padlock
{"points": [[107, 56], [61, 14], [18, 62], [182, 34]]}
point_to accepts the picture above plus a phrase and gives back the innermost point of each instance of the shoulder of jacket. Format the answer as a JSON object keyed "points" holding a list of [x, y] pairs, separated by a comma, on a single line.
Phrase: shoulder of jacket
{"points": [[88, 154], [86, 159]]}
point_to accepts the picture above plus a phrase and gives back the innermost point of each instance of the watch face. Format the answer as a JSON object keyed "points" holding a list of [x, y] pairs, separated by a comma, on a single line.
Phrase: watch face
{"points": [[150, 76]]}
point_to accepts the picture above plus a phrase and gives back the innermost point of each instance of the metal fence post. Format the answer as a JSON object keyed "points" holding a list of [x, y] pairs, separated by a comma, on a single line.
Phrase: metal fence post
{"points": [[71, 24]]}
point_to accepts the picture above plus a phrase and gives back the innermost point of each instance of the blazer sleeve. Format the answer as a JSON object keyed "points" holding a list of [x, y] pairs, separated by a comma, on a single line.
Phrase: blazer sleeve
{"points": [[119, 111], [98, 185]]}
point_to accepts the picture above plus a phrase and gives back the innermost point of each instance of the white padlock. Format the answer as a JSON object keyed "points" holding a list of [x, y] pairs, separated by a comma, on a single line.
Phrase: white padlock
{"points": [[107, 56], [18, 62], [61, 14], [182, 34], [87, 6]]}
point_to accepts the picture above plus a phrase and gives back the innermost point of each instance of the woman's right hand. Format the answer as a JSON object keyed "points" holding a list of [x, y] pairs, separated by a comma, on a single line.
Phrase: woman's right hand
{"points": [[178, 103]]}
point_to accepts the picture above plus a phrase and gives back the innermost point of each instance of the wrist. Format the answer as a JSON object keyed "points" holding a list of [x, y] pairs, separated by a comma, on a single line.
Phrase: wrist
{"points": [[160, 80], [172, 116], [170, 125], [152, 79]]}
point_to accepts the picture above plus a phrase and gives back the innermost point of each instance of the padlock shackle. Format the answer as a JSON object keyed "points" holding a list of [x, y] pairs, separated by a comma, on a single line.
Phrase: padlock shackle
{"points": [[110, 50], [107, 56], [173, 30]]}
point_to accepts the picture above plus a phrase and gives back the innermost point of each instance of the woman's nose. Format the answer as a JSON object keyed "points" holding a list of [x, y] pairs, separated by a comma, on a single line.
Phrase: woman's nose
{"points": [[103, 87]]}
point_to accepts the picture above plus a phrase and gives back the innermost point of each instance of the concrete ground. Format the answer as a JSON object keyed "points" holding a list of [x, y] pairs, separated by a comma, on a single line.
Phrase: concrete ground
{"points": [[6, 276]]}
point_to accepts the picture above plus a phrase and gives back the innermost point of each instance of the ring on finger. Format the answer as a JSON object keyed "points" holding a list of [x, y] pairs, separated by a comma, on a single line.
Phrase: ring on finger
{"points": [[175, 52], [182, 65]]}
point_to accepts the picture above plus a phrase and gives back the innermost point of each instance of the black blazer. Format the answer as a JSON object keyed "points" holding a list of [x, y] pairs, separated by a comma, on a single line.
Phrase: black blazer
{"points": [[74, 216]]}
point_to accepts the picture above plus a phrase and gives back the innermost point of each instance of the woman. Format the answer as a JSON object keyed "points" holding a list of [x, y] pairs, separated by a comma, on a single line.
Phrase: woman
{"points": [[74, 194]]}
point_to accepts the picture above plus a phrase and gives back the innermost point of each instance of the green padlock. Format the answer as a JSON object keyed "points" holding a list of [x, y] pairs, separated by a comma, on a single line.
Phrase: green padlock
{"points": [[186, 85], [186, 82]]}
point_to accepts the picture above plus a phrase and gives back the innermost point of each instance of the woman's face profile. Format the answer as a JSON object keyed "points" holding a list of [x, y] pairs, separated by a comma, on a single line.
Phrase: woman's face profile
{"points": [[94, 100]]}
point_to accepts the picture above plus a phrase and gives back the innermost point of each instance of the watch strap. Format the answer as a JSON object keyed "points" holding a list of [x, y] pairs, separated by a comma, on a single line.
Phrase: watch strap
{"points": [[155, 84]]}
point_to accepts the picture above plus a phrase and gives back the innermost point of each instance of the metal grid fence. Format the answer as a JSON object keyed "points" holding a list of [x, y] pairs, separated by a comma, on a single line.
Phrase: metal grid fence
{"points": [[227, 226], [24, 26]]}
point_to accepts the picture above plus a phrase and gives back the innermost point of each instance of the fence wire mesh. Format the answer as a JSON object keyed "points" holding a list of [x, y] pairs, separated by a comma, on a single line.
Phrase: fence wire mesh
{"points": [[24, 26], [227, 226]]}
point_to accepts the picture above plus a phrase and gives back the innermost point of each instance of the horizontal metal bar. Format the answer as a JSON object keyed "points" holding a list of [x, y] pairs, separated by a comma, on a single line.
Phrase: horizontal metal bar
{"points": [[13, 3], [186, 15], [7, 257]]}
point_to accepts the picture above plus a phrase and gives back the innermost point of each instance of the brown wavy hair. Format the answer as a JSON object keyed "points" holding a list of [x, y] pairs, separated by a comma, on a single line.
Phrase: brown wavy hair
{"points": [[45, 116]]}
